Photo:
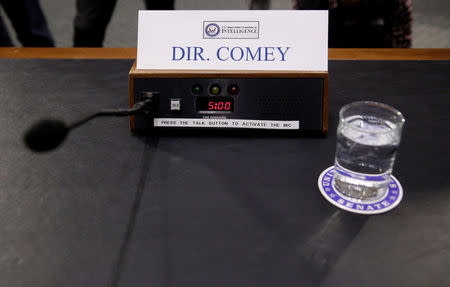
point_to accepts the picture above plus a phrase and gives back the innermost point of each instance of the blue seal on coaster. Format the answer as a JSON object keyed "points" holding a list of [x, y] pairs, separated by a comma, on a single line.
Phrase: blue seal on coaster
{"points": [[390, 200]]}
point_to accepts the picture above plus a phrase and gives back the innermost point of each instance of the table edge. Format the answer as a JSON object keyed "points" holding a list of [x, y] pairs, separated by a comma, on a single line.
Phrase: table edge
{"points": [[130, 53]]}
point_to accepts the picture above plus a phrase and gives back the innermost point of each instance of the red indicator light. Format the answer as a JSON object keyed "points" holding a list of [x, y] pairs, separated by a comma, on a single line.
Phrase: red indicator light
{"points": [[233, 89]]}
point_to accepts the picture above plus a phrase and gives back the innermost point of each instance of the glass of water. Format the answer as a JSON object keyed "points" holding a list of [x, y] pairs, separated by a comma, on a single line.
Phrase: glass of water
{"points": [[368, 137]]}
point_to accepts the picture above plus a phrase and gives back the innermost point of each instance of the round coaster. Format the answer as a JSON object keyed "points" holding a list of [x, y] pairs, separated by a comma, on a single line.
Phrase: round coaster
{"points": [[390, 200]]}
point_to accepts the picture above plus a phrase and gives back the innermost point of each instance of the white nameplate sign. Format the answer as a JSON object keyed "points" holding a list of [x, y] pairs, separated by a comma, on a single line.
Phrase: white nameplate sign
{"points": [[233, 40]]}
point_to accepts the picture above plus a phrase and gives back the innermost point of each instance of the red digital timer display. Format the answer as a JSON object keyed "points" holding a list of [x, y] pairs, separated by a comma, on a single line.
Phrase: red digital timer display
{"points": [[215, 104]]}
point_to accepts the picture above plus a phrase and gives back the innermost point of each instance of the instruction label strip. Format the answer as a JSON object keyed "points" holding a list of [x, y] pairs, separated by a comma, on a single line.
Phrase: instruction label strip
{"points": [[226, 123]]}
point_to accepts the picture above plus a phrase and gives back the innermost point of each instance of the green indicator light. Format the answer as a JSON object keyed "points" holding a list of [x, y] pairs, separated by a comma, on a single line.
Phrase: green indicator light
{"points": [[215, 89], [196, 89]]}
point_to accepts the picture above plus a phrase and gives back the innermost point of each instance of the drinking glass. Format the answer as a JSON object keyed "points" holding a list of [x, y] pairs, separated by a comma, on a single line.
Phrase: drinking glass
{"points": [[368, 136]]}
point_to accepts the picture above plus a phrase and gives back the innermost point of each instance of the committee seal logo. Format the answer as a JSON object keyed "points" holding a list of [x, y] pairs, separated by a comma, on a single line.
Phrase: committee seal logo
{"points": [[390, 200], [212, 29], [230, 29]]}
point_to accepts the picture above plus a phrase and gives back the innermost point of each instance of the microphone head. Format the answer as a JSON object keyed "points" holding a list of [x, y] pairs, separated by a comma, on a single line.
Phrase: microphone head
{"points": [[46, 135]]}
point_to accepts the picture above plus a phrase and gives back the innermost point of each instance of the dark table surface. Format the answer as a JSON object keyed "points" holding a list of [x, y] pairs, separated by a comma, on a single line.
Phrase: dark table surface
{"points": [[109, 208]]}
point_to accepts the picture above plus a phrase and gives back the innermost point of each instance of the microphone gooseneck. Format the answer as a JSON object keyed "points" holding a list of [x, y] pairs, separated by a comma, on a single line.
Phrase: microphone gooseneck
{"points": [[48, 134]]}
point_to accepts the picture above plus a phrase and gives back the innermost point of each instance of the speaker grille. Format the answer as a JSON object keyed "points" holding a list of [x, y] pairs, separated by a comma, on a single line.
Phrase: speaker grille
{"points": [[281, 104]]}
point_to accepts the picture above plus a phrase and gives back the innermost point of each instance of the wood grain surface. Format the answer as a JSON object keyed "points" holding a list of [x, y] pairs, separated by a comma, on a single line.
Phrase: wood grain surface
{"points": [[130, 53]]}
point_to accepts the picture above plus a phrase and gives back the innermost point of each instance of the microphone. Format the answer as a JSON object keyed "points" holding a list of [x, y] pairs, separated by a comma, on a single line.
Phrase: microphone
{"points": [[48, 134]]}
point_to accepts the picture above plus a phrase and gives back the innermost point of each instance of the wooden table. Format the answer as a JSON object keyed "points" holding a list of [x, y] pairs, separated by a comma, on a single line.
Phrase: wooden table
{"points": [[130, 53]]}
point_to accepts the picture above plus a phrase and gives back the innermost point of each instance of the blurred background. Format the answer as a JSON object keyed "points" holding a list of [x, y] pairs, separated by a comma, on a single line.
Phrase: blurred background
{"points": [[430, 25]]}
